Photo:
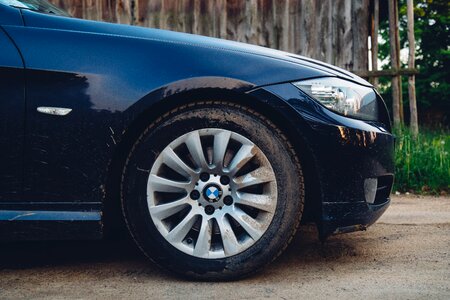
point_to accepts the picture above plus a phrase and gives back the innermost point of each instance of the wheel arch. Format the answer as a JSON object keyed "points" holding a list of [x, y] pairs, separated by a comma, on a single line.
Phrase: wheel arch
{"points": [[266, 105]]}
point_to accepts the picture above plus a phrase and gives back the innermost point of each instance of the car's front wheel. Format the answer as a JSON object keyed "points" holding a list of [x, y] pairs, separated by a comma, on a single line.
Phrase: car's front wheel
{"points": [[212, 191]]}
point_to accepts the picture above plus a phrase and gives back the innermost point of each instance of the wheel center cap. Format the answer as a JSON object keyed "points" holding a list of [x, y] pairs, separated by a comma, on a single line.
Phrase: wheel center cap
{"points": [[212, 193]]}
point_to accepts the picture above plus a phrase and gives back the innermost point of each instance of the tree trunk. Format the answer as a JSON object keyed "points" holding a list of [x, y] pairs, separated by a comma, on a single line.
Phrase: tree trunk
{"points": [[411, 64]]}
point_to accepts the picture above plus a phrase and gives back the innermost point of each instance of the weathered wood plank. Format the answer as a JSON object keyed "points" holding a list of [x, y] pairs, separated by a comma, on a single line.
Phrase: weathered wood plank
{"points": [[360, 11]]}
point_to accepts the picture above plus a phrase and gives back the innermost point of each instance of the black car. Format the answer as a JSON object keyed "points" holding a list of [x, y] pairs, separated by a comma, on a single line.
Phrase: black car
{"points": [[211, 151]]}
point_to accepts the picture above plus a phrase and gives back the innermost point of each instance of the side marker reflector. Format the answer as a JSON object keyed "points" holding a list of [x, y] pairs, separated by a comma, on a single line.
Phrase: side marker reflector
{"points": [[56, 111]]}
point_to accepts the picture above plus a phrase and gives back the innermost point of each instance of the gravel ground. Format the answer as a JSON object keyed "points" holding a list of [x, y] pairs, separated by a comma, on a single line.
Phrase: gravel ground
{"points": [[406, 255]]}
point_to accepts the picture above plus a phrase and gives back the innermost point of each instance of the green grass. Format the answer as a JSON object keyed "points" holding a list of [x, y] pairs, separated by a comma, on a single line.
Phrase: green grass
{"points": [[422, 165]]}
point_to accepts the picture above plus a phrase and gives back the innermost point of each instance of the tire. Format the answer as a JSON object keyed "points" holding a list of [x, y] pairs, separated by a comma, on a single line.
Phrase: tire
{"points": [[242, 214]]}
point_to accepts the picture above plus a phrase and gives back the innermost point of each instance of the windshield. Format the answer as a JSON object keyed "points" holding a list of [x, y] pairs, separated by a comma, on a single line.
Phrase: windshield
{"points": [[36, 5]]}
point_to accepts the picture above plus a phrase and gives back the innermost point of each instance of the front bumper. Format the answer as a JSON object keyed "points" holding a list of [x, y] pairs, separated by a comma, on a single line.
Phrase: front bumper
{"points": [[356, 169], [352, 160], [343, 217]]}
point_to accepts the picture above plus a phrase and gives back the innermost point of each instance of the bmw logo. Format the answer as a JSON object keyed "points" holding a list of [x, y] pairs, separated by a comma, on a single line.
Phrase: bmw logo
{"points": [[212, 193]]}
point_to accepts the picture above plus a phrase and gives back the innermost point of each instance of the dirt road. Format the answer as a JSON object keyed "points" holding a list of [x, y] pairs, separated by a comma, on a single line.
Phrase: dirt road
{"points": [[406, 255]]}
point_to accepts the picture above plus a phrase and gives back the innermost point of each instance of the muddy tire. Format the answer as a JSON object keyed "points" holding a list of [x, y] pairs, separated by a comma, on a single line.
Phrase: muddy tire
{"points": [[212, 191]]}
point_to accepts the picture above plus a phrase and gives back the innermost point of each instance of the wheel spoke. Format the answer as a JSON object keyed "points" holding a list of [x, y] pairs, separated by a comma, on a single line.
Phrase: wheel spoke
{"points": [[230, 243], [203, 244], [212, 160], [179, 232], [173, 161], [253, 228], [160, 184], [220, 147], [194, 146], [166, 210], [261, 202], [258, 176], [245, 153]]}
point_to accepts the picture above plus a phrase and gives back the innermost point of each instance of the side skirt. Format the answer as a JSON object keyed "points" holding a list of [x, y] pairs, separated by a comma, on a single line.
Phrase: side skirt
{"points": [[29, 224]]}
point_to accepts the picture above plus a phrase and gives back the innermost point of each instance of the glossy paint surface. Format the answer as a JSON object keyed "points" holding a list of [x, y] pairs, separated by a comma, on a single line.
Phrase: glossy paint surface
{"points": [[10, 16], [343, 152], [95, 70], [12, 120], [111, 76]]}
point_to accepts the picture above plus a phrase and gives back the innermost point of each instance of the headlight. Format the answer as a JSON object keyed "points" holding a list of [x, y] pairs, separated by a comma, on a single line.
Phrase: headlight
{"points": [[341, 96]]}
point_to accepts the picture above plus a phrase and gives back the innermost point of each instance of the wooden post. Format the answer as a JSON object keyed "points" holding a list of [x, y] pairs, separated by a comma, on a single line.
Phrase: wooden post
{"points": [[397, 48], [414, 124], [374, 39], [395, 62]]}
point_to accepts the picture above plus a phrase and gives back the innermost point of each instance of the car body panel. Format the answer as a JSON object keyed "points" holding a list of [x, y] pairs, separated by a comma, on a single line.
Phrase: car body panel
{"points": [[10, 16], [112, 75], [100, 78], [12, 120], [184, 40], [345, 152]]}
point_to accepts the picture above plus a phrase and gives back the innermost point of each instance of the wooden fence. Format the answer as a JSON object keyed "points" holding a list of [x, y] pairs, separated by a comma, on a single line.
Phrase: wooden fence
{"points": [[334, 31]]}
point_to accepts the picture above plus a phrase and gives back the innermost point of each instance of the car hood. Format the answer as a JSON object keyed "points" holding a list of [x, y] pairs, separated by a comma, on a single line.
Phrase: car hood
{"points": [[34, 19]]}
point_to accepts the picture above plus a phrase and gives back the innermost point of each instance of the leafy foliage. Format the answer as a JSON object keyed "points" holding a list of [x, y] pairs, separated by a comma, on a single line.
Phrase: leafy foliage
{"points": [[432, 27]]}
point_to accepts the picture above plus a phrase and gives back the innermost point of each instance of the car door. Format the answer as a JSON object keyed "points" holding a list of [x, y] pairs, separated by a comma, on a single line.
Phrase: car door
{"points": [[12, 120]]}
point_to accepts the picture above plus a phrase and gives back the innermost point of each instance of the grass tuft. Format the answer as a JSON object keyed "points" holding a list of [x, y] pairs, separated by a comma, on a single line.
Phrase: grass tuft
{"points": [[423, 164]]}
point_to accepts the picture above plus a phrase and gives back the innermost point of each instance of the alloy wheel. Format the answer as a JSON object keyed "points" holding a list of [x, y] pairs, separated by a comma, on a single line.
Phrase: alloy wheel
{"points": [[212, 193]]}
